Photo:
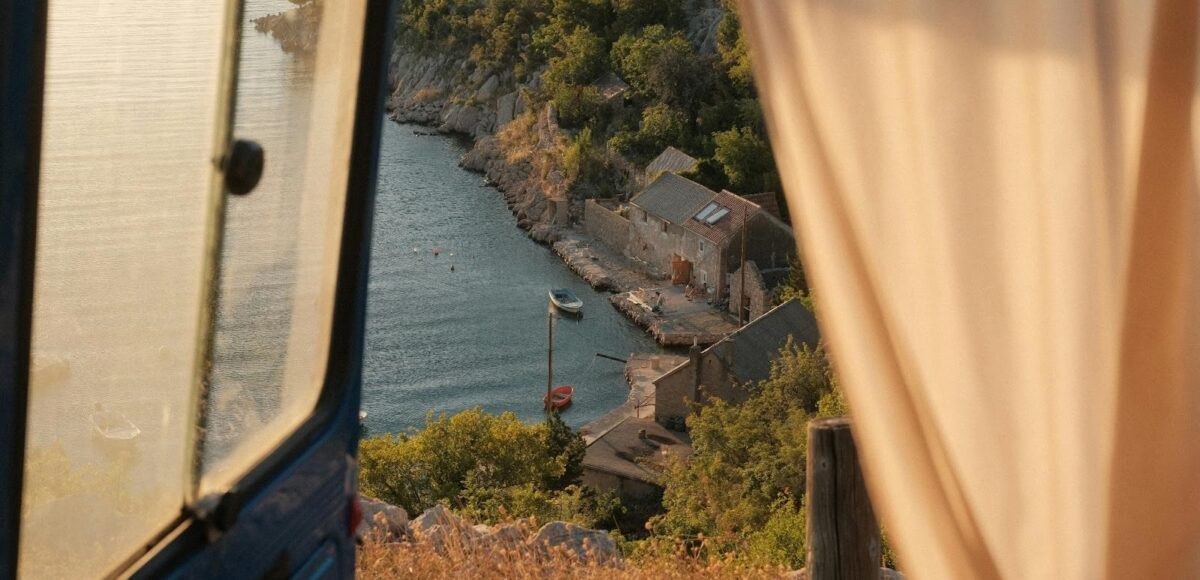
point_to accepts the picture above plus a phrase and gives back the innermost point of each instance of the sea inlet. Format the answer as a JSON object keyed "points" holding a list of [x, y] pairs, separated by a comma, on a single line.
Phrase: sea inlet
{"points": [[468, 326]]}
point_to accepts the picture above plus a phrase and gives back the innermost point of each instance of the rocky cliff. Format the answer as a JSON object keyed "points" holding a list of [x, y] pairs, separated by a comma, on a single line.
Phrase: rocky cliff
{"points": [[517, 148]]}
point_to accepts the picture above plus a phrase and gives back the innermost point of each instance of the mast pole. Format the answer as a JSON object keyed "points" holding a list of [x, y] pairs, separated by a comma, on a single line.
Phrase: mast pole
{"points": [[549, 352]]}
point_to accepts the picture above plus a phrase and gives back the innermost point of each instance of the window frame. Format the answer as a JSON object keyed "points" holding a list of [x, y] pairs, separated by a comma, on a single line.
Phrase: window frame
{"points": [[22, 63], [22, 68]]}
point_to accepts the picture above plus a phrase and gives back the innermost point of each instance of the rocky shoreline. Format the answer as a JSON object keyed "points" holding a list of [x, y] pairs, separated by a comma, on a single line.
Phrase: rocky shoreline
{"points": [[517, 148], [295, 29]]}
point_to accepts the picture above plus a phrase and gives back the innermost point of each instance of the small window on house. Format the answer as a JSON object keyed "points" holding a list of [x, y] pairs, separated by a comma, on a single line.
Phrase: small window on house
{"points": [[664, 226], [701, 246]]}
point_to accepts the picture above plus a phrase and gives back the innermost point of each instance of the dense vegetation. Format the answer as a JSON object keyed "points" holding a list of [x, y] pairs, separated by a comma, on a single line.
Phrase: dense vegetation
{"points": [[739, 496], [486, 467], [742, 491], [704, 104]]}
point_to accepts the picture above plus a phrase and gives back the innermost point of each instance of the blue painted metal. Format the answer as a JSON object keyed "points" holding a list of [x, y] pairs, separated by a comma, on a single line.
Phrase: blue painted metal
{"points": [[290, 515], [22, 50]]}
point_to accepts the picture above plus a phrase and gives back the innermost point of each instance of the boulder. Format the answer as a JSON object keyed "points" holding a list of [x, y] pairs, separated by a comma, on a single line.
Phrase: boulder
{"points": [[383, 519], [488, 90], [509, 535], [506, 109], [437, 515], [583, 543], [441, 537]]}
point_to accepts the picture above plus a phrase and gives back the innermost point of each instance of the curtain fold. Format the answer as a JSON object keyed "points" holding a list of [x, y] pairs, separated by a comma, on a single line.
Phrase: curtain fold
{"points": [[997, 207]]}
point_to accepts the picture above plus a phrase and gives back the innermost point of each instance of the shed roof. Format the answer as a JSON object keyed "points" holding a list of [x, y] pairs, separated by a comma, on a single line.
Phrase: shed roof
{"points": [[673, 198], [729, 223], [671, 160], [610, 85], [748, 352], [621, 451]]}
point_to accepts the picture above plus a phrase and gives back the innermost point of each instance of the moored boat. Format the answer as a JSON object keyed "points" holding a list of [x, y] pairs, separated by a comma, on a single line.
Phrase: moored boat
{"points": [[560, 397], [566, 300], [113, 426]]}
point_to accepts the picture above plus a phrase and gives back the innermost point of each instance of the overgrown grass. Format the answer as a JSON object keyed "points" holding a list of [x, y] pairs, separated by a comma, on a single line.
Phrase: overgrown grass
{"points": [[461, 559]]}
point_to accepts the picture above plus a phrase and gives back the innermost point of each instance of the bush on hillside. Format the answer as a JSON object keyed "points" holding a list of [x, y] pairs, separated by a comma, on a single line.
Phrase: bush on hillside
{"points": [[489, 466]]}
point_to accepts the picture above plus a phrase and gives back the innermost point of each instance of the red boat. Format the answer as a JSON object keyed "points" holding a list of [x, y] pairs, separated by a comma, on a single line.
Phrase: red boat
{"points": [[560, 397]]}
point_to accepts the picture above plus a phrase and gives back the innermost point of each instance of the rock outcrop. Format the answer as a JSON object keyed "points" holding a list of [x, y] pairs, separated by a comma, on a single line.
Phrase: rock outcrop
{"points": [[384, 519], [455, 96], [442, 530], [582, 543]]}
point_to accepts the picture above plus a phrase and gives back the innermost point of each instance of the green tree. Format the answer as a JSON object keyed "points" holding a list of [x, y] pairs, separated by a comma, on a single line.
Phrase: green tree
{"points": [[637, 14], [793, 286], [745, 157], [580, 62], [567, 448], [577, 105], [661, 126], [747, 469], [661, 65], [475, 461], [731, 47]]}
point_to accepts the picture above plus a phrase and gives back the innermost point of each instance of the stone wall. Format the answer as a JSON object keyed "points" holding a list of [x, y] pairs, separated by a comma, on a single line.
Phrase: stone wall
{"points": [[606, 225], [770, 243], [675, 391], [653, 241], [757, 294], [626, 488]]}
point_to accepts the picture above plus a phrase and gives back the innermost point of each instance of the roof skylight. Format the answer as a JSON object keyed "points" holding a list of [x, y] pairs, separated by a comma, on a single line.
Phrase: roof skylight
{"points": [[708, 209]]}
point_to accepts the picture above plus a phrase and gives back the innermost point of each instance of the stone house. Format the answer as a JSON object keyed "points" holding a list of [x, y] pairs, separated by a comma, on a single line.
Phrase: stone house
{"points": [[692, 234], [741, 358], [760, 286]]}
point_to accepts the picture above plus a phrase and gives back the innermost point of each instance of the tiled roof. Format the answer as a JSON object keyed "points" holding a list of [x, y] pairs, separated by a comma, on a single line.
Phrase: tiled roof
{"points": [[768, 202], [620, 451], [740, 209], [610, 85], [673, 198], [671, 160], [749, 351]]}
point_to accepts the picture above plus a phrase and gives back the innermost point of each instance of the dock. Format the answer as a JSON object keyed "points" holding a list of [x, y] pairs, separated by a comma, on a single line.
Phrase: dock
{"points": [[679, 321]]}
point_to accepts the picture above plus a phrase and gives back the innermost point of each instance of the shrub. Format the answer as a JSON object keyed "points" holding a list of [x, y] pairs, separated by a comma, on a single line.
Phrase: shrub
{"points": [[469, 460]]}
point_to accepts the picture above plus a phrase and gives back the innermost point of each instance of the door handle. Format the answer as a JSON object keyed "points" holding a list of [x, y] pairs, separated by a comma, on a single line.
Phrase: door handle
{"points": [[242, 166]]}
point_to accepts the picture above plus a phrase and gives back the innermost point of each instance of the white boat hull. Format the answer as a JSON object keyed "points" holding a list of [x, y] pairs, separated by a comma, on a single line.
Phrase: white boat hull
{"points": [[572, 307]]}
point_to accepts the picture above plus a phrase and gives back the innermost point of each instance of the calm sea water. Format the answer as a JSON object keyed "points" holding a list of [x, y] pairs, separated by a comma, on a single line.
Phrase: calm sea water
{"points": [[445, 341]]}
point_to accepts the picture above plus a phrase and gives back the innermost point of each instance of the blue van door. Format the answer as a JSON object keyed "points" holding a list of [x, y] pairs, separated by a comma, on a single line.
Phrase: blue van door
{"points": [[181, 352]]}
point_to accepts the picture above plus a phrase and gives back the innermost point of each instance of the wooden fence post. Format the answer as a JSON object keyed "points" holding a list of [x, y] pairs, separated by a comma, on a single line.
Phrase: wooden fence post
{"points": [[843, 534]]}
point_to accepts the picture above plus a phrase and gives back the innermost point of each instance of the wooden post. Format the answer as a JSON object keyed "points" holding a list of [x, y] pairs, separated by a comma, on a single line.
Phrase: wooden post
{"points": [[741, 304], [843, 535], [549, 353]]}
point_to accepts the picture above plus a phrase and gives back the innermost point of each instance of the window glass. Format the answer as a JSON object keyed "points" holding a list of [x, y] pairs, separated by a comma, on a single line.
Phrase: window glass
{"points": [[130, 110], [280, 248]]}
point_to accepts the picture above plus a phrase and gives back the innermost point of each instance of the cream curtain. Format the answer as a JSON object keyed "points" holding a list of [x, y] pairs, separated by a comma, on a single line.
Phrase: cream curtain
{"points": [[997, 205]]}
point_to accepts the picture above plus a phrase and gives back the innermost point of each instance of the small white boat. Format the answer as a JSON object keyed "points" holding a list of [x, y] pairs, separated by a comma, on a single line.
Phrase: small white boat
{"points": [[566, 300], [113, 426]]}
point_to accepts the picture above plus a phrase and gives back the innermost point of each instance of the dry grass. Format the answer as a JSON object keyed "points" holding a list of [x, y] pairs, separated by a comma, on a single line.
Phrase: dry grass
{"points": [[518, 138], [427, 95], [377, 559]]}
